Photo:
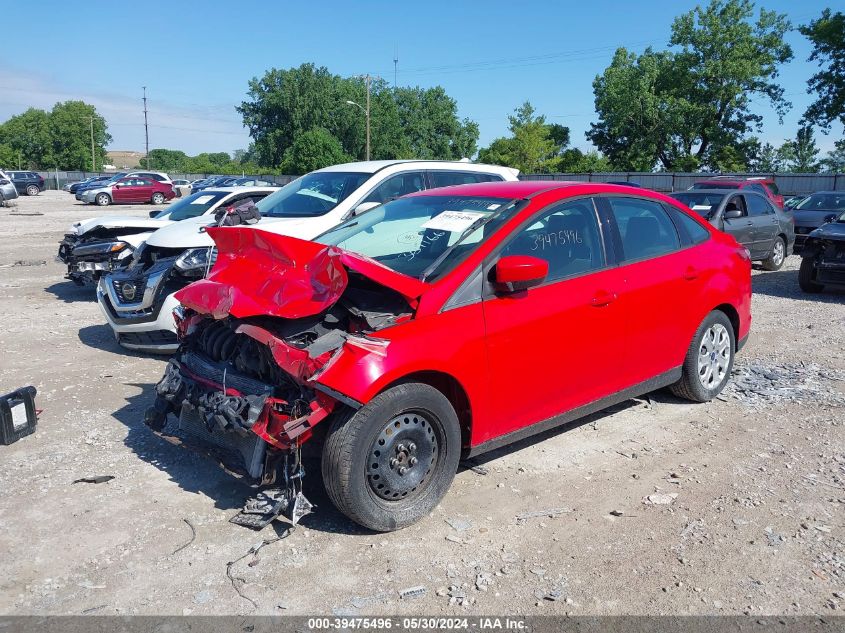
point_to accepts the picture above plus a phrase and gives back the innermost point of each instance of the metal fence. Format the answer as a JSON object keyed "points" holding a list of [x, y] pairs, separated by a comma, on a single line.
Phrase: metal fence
{"points": [[58, 179], [788, 184]]}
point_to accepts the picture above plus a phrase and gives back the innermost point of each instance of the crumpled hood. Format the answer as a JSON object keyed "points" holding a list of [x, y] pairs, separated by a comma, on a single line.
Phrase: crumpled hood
{"points": [[263, 273], [117, 222]]}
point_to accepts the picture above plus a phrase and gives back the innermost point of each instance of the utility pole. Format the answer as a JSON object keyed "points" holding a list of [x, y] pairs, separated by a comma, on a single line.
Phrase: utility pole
{"points": [[93, 161], [369, 81], [146, 131], [395, 64]]}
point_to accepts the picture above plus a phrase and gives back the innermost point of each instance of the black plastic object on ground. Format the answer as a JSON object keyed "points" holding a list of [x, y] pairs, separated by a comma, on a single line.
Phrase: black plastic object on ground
{"points": [[17, 415]]}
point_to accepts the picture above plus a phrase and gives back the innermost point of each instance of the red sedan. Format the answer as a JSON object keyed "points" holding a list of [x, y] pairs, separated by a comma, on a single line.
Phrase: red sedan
{"points": [[441, 324], [129, 190]]}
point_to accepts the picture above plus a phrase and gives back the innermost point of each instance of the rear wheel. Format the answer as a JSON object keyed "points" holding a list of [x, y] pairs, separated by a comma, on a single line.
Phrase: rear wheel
{"points": [[807, 276], [389, 463], [158, 198], [709, 360], [776, 259], [103, 199]]}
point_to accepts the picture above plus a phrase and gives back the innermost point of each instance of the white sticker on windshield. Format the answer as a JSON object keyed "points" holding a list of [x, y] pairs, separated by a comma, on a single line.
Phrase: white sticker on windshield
{"points": [[701, 207], [453, 221], [493, 207], [202, 200]]}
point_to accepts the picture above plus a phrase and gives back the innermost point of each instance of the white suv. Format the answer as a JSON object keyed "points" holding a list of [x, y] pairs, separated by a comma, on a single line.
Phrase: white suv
{"points": [[176, 255]]}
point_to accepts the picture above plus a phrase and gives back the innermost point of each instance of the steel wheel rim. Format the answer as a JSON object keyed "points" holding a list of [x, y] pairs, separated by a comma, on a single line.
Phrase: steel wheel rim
{"points": [[714, 356], [403, 456], [779, 253]]}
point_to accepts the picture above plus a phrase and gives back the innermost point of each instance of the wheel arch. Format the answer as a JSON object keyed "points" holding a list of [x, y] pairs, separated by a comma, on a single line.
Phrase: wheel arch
{"points": [[450, 387], [733, 316]]}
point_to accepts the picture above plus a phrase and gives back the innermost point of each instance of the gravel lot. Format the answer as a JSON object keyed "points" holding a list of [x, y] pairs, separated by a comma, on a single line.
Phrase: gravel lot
{"points": [[652, 507]]}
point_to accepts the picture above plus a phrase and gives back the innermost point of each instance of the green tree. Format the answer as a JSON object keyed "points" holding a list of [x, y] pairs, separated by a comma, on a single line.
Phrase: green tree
{"points": [[801, 154], [574, 161], [8, 156], [165, 160], [828, 37], [27, 135], [70, 134], [681, 109], [767, 159], [314, 149], [835, 159], [530, 148], [429, 122]]}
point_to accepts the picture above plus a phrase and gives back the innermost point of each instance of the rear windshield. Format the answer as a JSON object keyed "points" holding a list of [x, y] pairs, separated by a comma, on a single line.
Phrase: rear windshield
{"points": [[702, 203]]}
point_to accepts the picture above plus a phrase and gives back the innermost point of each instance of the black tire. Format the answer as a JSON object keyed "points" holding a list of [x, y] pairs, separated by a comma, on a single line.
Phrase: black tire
{"points": [[33, 190], [102, 200], [690, 386], [776, 259], [806, 276], [352, 456], [158, 198]]}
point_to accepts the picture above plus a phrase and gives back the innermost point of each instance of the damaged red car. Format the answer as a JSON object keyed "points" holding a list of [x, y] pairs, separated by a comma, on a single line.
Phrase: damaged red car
{"points": [[441, 325]]}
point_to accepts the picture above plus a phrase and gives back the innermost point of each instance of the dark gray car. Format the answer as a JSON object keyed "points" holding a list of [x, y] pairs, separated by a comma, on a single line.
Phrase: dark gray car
{"points": [[767, 232]]}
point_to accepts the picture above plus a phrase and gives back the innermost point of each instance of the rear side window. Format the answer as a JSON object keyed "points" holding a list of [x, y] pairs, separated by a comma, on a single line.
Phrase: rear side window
{"points": [[645, 228], [757, 205], [448, 178]]}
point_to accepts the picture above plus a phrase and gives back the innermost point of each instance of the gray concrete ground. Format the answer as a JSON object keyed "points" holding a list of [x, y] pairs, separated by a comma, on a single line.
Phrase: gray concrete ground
{"points": [[746, 493]]}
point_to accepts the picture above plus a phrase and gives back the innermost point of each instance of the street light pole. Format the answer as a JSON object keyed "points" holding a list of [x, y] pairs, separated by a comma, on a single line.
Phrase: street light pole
{"points": [[93, 161], [369, 80]]}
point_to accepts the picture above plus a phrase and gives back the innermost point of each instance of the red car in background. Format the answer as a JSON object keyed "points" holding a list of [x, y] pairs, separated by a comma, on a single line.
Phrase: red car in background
{"points": [[762, 185], [445, 323], [130, 190]]}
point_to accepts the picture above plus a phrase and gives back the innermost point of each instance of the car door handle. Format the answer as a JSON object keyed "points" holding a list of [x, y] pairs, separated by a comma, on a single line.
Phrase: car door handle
{"points": [[602, 299], [690, 273]]}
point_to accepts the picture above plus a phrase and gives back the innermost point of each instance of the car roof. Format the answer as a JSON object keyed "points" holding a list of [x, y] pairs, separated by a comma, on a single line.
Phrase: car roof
{"points": [[373, 166], [529, 188]]}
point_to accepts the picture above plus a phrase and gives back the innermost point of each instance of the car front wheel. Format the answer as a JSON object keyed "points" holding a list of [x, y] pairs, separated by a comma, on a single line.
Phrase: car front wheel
{"points": [[709, 360], [103, 199], [32, 190], [776, 259], [806, 276], [388, 464]]}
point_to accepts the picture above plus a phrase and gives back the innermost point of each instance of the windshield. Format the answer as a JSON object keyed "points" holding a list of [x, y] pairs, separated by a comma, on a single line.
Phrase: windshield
{"points": [[422, 236], [823, 202], [702, 203], [311, 195], [191, 207]]}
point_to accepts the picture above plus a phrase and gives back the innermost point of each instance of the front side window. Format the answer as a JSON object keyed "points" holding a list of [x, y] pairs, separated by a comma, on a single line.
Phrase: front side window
{"points": [[422, 236], [567, 237], [757, 205], [311, 195], [645, 228], [397, 186]]}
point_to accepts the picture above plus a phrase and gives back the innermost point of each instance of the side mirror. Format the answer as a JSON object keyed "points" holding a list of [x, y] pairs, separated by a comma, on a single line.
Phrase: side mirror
{"points": [[364, 207], [116, 187], [732, 214], [519, 272]]}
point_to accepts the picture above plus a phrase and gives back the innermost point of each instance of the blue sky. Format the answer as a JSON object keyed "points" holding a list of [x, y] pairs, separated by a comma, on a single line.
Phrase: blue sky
{"points": [[196, 58]]}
